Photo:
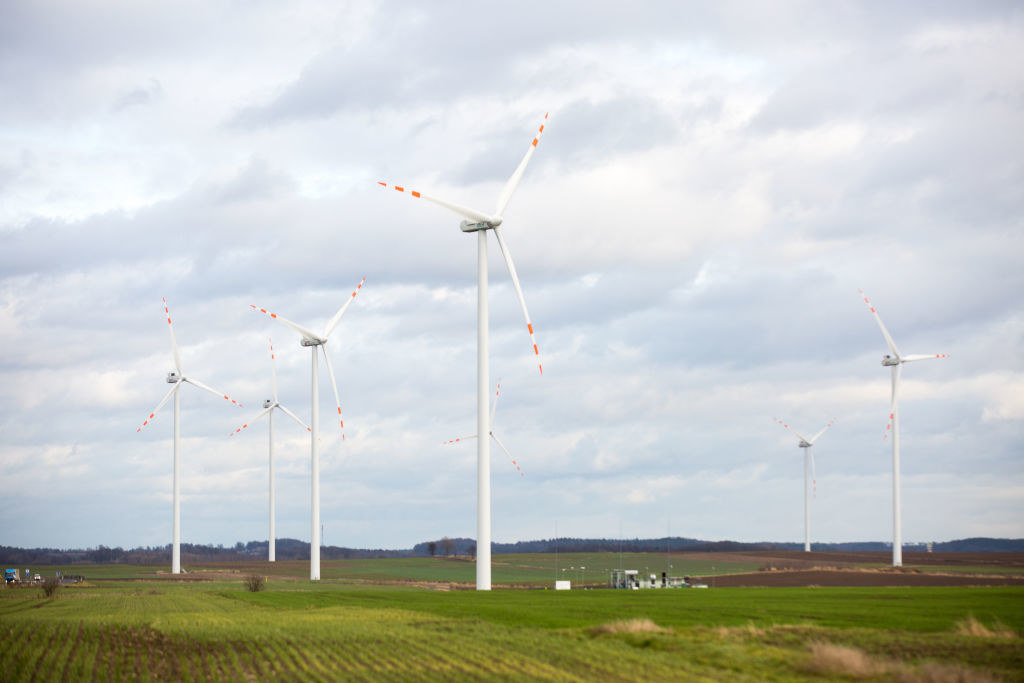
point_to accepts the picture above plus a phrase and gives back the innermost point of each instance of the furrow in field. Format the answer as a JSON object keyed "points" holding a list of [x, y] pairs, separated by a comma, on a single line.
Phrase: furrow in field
{"points": [[75, 643], [14, 663], [55, 651]]}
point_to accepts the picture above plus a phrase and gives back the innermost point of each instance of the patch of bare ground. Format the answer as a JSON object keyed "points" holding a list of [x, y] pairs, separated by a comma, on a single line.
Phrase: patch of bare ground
{"points": [[972, 627], [626, 626], [830, 659], [858, 577]]}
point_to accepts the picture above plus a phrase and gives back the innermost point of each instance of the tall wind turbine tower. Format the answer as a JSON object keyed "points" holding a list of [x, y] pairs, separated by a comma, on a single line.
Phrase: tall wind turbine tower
{"points": [[895, 360], [268, 409], [315, 341], [178, 379], [481, 223], [808, 446]]}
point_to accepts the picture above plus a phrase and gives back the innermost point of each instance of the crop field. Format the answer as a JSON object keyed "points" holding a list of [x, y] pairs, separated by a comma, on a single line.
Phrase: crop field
{"points": [[347, 628]]}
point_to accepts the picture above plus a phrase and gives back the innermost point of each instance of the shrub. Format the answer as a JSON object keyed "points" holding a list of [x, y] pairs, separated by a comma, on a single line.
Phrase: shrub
{"points": [[50, 586], [254, 583]]}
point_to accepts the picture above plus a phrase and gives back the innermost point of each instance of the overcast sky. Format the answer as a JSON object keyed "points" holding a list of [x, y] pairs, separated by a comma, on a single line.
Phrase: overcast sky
{"points": [[714, 184]]}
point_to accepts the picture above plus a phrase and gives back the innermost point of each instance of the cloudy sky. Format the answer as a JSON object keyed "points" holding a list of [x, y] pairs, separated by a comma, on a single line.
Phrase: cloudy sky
{"points": [[714, 184]]}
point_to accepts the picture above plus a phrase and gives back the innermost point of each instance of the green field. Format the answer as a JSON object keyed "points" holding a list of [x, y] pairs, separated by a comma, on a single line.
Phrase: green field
{"points": [[341, 628]]}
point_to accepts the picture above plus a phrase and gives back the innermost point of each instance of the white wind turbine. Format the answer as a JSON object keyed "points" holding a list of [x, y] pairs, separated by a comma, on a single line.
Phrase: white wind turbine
{"points": [[178, 379], [268, 409], [808, 445], [895, 360], [314, 340], [480, 223], [494, 407]]}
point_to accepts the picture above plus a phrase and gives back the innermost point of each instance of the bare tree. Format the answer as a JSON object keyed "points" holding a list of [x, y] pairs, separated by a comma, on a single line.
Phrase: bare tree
{"points": [[472, 551], [447, 546], [254, 583], [432, 548], [50, 586]]}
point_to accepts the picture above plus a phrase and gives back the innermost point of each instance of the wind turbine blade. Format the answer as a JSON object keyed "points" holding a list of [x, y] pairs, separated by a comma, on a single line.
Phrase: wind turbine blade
{"points": [[262, 413], [513, 182], [494, 406], [823, 430], [273, 368], [308, 334], [793, 431], [897, 370], [159, 405], [888, 338], [294, 417], [216, 393], [498, 441], [337, 316], [334, 386], [920, 356], [519, 293], [814, 475], [174, 342], [464, 211], [460, 439]]}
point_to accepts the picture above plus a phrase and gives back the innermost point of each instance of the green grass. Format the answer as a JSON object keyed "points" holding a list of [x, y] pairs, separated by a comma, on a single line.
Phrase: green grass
{"points": [[340, 629]]}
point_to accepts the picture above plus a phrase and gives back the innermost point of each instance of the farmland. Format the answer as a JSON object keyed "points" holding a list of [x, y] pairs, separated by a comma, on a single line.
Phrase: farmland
{"points": [[372, 619]]}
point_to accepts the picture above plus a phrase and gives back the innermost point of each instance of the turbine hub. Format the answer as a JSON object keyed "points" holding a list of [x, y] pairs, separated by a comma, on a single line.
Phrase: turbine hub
{"points": [[471, 226]]}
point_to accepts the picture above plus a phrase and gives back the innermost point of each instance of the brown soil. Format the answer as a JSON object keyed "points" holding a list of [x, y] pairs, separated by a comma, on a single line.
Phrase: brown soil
{"points": [[857, 577]]}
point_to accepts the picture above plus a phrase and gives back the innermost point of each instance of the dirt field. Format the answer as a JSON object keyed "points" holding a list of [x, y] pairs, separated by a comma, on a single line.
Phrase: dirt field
{"points": [[857, 577], [796, 568]]}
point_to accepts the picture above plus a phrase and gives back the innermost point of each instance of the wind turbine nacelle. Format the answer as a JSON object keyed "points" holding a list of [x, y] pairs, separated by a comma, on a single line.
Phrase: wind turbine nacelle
{"points": [[268, 403], [172, 378], [888, 360], [471, 226], [804, 444]]}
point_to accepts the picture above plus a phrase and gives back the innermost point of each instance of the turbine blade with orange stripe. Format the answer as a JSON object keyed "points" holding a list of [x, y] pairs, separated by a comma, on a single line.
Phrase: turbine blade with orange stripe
{"points": [[464, 211], [308, 334], [519, 294], [334, 386], [294, 417], [252, 421], [159, 405], [174, 342], [514, 463], [513, 182], [885, 333], [216, 393], [337, 316]]}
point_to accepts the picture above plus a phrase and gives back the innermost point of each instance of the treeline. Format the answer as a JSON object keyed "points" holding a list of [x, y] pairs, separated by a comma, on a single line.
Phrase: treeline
{"points": [[292, 549]]}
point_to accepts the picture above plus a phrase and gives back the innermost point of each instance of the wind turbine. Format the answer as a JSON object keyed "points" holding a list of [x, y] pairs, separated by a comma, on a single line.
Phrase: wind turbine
{"points": [[268, 409], [178, 379], [480, 223], [314, 340], [808, 445], [895, 360], [494, 407]]}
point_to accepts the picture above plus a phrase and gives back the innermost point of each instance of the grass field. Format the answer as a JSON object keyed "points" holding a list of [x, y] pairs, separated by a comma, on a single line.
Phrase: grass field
{"points": [[341, 628]]}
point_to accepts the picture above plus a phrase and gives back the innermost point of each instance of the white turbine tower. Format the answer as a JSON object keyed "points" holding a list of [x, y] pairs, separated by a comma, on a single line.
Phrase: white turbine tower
{"points": [[480, 223], [268, 409], [895, 360], [178, 379], [808, 446], [494, 407], [314, 340]]}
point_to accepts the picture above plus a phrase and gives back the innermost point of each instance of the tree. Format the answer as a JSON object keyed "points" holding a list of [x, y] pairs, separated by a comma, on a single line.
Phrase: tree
{"points": [[447, 546], [432, 548], [472, 551]]}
